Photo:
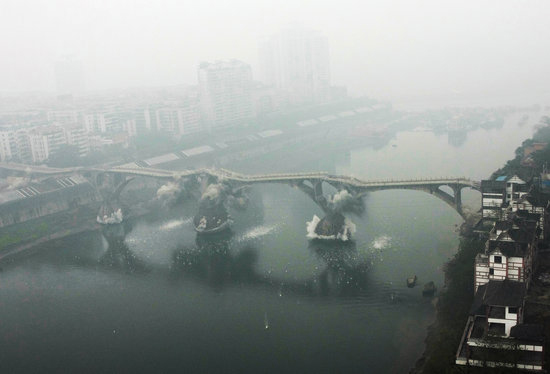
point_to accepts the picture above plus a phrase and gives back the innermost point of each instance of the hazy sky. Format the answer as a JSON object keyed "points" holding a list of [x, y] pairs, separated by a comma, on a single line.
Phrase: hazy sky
{"points": [[381, 48]]}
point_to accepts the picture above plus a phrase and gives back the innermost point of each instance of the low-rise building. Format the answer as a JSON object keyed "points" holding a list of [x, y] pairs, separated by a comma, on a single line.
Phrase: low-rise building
{"points": [[495, 335], [497, 194], [509, 252]]}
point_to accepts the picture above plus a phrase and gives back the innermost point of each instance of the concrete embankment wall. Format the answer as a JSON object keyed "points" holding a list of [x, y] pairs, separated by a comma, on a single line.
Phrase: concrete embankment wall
{"points": [[15, 238], [32, 220], [30, 208]]}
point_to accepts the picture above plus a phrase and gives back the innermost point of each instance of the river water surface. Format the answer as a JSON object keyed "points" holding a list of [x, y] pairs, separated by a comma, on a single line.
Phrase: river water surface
{"points": [[259, 299]]}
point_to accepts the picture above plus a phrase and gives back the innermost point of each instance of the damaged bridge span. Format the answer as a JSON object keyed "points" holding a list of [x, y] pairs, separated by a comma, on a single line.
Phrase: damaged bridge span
{"points": [[309, 182], [312, 183]]}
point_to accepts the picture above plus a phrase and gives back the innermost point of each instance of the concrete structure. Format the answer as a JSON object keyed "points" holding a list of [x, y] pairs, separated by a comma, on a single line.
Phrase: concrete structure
{"points": [[6, 140], [296, 60], [50, 196], [225, 89], [495, 335], [78, 137], [45, 141], [497, 194], [509, 252], [178, 120], [64, 117], [311, 183]]}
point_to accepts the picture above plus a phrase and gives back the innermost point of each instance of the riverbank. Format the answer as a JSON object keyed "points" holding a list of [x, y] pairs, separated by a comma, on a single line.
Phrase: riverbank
{"points": [[452, 308], [454, 302]]}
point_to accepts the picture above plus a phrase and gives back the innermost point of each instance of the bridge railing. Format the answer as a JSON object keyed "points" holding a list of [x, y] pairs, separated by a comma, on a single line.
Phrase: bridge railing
{"points": [[228, 174]]}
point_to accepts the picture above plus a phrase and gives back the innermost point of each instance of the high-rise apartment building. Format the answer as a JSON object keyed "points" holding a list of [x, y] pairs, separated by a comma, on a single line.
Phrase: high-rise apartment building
{"points": [[297, 60], [78, 137], [225, 93], [65, 117], [44, 141], [178, 120]]}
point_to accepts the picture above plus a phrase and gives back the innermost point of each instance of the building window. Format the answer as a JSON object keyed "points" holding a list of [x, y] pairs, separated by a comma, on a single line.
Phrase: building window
{"points": [[498, 259], [513, 310], [491, 271]]}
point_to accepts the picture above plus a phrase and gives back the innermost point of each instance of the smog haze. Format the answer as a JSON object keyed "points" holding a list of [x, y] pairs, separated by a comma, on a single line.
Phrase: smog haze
{"points": [[385, 49]]}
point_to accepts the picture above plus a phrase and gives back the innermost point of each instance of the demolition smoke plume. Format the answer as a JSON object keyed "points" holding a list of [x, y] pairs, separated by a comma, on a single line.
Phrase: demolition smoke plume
{"points": [[344, 202]]}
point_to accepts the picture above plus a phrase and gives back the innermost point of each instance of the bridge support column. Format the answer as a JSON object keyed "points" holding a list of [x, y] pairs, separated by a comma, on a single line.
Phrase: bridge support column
{"points": [[212, 215], [457, 191]]}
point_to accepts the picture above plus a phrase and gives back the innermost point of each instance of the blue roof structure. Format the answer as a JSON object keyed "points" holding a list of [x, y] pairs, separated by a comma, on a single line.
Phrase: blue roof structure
{"points": [[501, 178]]}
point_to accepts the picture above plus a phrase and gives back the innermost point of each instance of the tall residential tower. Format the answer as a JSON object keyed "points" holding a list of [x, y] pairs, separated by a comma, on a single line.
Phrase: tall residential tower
{"points": [[225, 93], [296, 60]]}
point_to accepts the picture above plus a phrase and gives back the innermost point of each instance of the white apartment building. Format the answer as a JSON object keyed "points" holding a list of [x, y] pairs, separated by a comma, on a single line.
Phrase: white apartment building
{"points": [[6, 152], [225, 90], [44, 141], [65, 117], [102, 121], [297, 61], [77, 136], [178, 121]]}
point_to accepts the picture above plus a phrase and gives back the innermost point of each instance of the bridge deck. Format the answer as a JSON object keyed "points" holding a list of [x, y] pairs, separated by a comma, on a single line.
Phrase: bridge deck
{"points": [[244, 178]]}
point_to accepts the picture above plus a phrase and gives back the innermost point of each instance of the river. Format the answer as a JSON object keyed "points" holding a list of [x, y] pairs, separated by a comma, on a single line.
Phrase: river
{"points": [[262, 298]]}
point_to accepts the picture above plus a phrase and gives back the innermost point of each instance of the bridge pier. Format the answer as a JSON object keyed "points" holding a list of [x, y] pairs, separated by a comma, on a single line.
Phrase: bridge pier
{"points": [[110, 212], [212, 215], [455, 200], [334, 224]]}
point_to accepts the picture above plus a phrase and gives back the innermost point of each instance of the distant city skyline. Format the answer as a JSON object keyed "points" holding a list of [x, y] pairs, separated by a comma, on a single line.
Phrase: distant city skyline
{"points": [[378, 48]]}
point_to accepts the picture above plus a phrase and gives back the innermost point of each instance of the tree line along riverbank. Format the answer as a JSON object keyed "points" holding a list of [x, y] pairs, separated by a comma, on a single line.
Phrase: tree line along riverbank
{"points": [[454, 301]]}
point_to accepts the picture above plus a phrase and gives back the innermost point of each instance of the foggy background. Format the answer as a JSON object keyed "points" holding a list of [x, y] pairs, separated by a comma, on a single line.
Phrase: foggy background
{"points": [[386, 49]]}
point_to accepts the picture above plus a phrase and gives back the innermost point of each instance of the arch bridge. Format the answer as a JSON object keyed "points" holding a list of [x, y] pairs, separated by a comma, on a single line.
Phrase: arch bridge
{"points": [[309, 182]]}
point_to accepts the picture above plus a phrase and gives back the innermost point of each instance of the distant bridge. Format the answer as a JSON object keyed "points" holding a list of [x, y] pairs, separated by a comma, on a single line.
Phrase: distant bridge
{"points": [[309, 182]]}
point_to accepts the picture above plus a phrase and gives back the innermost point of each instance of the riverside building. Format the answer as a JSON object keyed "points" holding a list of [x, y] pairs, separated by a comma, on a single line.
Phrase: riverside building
{"points": [[496, 334]]}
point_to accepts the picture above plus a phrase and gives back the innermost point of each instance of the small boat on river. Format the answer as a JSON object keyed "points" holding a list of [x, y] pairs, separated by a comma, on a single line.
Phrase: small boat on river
{"points": [[411, 281], [429, 289]]}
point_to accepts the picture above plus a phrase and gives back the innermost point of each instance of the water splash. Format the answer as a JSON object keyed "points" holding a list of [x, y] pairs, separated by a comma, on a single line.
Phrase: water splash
{"points": [[172, 224], [381, 242], [257, 232], [348, 230]]}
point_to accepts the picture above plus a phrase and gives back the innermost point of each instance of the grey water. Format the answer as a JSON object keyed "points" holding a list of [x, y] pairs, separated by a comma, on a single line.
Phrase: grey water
{"points": [[261, 298]]}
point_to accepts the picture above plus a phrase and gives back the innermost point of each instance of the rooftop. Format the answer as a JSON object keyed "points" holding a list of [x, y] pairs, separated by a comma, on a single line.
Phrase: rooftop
{"points": [[498, 293]]}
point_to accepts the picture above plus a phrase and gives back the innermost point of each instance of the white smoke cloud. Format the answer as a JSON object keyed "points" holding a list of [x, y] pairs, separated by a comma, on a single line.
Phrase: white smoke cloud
{"points": [[113, 218], [212, 192], [343, 201], [168, 190], [339, 199]]}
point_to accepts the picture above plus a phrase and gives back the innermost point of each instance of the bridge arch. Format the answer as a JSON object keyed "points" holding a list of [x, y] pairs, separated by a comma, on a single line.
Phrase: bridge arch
{"points": [[316, 179]]}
